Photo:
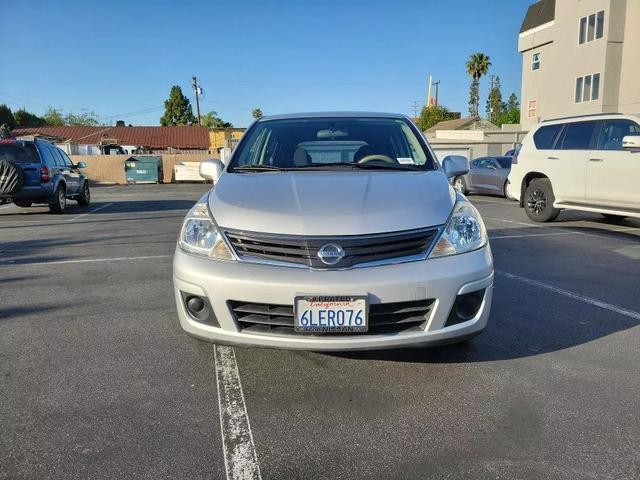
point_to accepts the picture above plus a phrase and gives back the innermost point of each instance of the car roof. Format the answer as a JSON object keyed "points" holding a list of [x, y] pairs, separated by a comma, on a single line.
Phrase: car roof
{"points": [[13, 140], [586, 118], [305, 115]]}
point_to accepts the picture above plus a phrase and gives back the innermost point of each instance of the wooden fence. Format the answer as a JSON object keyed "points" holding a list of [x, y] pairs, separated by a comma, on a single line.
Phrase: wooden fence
{"points": [[110, 168]]}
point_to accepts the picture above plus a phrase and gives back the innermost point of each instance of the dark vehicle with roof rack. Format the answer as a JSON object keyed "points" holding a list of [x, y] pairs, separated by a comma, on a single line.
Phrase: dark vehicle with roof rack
{"points": [[35, 171]]}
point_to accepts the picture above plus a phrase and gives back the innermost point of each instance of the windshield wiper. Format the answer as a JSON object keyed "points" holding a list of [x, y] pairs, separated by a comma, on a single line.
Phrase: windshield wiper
{"points": [[370, 166], [386, 166], [257, 168], [322, 165]]}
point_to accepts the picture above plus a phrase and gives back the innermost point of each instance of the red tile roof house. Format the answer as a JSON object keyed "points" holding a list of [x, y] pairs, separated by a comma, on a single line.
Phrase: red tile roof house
{"points": [[159, 140]]}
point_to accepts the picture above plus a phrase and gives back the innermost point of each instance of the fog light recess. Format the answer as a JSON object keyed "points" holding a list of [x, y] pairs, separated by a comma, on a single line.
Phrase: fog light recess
{"points": [[199, 309], [465, 308]]}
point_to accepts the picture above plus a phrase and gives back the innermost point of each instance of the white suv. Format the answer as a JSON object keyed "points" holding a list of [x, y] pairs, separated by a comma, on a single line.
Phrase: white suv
{"points": [[589, 163]]}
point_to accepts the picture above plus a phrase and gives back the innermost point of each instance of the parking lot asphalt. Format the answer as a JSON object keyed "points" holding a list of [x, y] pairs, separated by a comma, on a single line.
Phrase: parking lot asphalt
{"points": [[97, 380]]}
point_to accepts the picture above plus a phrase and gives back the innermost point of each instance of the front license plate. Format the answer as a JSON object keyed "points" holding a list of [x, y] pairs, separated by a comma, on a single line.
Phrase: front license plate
{"points": [[326, 314]]}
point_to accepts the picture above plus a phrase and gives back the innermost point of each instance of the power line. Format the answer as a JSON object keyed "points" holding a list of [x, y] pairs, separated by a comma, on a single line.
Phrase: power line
{"points": [[226, 105]]}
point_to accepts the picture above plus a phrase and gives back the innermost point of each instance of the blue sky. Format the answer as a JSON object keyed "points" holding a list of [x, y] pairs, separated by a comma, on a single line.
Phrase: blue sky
{"points": [[120, 58]]}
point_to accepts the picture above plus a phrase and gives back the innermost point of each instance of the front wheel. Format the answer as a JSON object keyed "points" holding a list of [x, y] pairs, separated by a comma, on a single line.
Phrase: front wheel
{"points": [[85, 197], [59, 201], [460, 185], [538, 201]]}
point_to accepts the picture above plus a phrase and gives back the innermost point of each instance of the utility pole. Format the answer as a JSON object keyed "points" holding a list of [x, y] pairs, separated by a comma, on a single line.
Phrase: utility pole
{"points": [[436, 84], [198, 91], [415, 109]]}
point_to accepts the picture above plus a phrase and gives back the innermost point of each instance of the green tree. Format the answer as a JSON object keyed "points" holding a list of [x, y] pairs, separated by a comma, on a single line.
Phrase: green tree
{"points": [[219, 123], [257, 113], [477, 66], [495, 106], [86, 118], [212, 120], [511, 115], [429, 116], [208, 119], [120, 123], [53, 117], [6, 116], [28, 119], [177, 109]]}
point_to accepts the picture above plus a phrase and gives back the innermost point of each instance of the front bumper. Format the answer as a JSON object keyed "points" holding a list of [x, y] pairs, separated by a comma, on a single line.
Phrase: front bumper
{"points": [[441, 279]]}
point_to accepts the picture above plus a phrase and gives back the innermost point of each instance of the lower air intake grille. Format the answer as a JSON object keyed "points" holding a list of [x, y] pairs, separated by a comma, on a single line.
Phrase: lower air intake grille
{"points": [[266, 318]]}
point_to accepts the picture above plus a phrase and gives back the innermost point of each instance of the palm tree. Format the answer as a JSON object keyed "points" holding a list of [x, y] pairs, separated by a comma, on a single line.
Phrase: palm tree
{"points": [[477, 66], [208, 119], [257, 113]]}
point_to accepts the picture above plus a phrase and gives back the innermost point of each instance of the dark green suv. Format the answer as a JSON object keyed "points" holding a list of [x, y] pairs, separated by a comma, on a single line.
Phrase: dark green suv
{"points": [[35, 171]]}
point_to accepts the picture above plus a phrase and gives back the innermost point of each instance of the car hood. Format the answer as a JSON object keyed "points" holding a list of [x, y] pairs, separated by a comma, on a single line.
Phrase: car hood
{"points": [[331, 203]]}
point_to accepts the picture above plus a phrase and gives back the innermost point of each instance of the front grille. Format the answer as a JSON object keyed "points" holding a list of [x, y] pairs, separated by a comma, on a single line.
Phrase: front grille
{"points": [[357, 249], [266, 318]]}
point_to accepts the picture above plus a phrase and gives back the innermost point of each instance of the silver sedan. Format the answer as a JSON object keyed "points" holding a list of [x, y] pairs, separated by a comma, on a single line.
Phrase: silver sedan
{"points": [[486, 175]]}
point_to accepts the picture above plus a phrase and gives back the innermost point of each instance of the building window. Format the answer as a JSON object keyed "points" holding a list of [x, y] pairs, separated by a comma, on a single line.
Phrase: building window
{"points": [[591, 27], [533, 107], [535, 61], [587, 88]]}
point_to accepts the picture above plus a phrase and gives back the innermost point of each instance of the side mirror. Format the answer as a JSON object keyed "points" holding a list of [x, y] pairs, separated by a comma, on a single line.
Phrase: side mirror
{"points": [[81, 165], [455, 165], [631, 142], [211, 169]]}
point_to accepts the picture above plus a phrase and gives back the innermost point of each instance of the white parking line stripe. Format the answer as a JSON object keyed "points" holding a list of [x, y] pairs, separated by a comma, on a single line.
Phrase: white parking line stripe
{"points": [[89, 212], [12, 263], [513, 221], [240, 457], [591, 301], [572, 232]]}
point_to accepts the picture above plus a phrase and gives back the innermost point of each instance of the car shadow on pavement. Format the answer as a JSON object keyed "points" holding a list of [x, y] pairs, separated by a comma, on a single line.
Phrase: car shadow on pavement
{"points": [[137, 206], [10, 313], [508, 337]]}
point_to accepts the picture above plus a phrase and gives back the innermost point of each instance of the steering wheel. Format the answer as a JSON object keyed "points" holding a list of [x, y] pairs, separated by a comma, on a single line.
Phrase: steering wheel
{"points": [[376, 156]]}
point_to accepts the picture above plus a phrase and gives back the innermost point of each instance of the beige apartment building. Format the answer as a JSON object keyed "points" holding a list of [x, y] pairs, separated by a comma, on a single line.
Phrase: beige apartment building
{"points": [[580, 57]]}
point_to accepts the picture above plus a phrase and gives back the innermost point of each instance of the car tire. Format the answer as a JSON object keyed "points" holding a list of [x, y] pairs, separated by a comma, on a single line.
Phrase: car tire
{"points": [[460, 184], [85, 197], [504, 189], [59, 201], [22, 203], [538, 201]]}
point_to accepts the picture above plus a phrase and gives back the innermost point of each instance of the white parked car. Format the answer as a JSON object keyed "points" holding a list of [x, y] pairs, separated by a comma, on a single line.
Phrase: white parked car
{"points": [[334, 231], [187, 172], [589, 163]]}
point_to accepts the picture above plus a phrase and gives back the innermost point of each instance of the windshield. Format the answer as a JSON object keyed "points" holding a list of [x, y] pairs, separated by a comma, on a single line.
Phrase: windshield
{"points": [[331, 142]]}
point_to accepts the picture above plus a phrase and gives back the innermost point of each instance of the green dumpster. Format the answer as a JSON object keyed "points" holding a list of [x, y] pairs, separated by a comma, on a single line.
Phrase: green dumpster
{"points": [[145, 169]]}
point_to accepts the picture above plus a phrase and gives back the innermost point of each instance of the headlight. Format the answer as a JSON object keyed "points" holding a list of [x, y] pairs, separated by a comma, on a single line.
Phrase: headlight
{"points": [[463, 233], [199, 235]]}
